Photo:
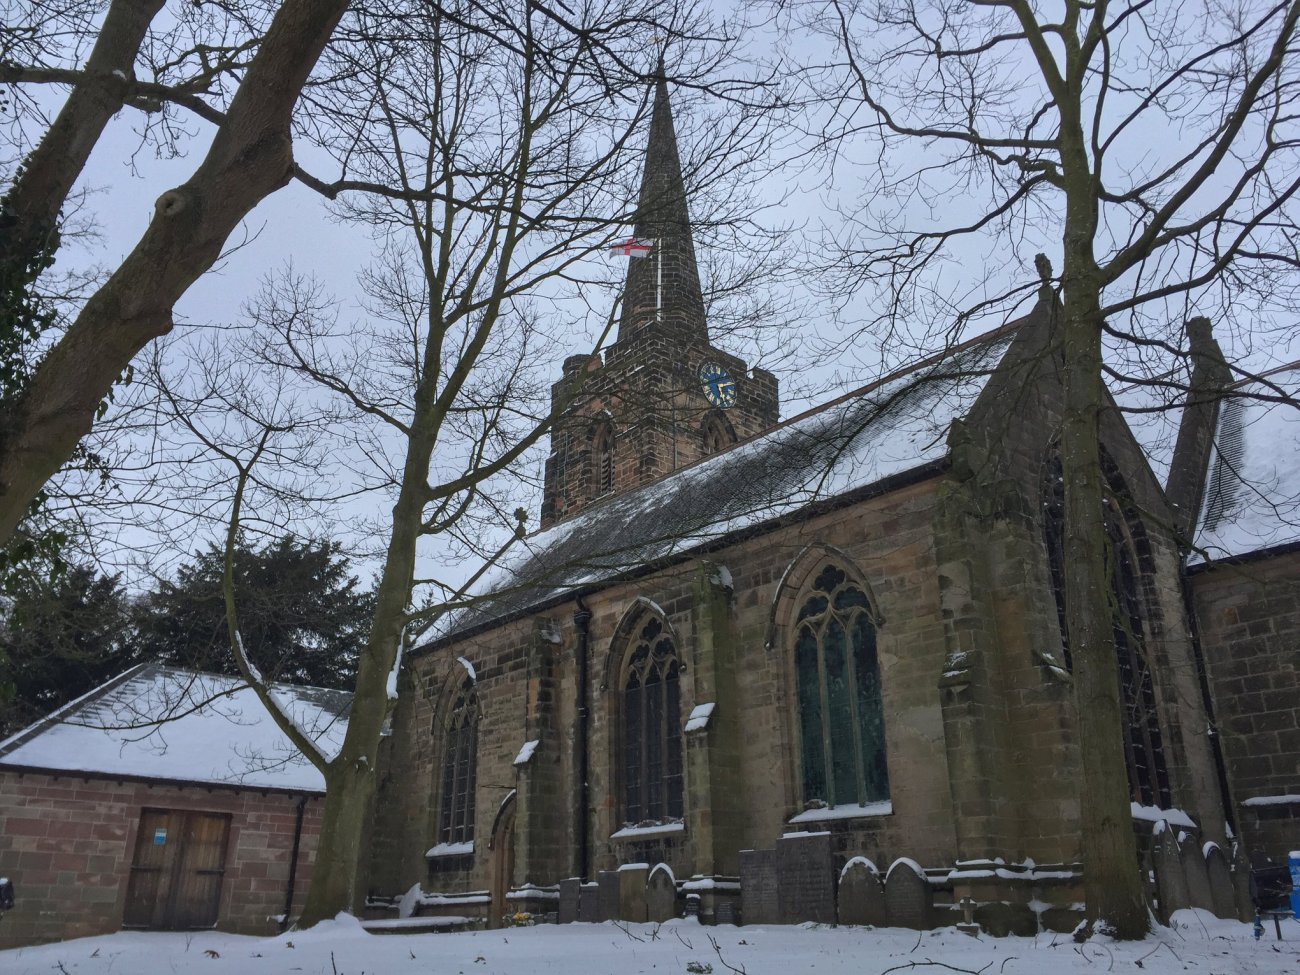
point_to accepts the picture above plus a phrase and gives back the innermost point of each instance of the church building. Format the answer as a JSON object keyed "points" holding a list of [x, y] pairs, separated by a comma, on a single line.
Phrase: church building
{"points": [[810, 669]]}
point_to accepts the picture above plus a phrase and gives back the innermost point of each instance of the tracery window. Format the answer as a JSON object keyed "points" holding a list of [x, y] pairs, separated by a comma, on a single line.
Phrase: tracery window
{"points": [[652, 728], [841, 718], [459, 767], [1148, 774], [602, 453]]}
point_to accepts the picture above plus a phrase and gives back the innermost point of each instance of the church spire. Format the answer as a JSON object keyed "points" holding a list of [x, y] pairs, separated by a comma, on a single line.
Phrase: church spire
{"points": [[663, 295]]}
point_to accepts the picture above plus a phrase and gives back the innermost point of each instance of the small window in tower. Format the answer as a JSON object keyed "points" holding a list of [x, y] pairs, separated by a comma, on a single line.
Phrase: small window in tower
{"points": [[602, 451], [716, 434]]}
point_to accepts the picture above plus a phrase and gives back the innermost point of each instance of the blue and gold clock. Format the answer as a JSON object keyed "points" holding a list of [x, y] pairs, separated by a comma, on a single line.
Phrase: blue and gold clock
{"points": [[719, 387]]}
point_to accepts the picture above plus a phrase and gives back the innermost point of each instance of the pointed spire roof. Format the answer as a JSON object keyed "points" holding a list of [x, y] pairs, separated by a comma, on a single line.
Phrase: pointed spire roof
{"points": [[668, 279]]}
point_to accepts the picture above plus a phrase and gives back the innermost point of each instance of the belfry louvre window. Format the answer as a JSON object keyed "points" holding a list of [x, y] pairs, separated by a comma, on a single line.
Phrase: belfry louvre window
{"points": [[459, 766], [652, 729], [841, 720], [603, 458]]}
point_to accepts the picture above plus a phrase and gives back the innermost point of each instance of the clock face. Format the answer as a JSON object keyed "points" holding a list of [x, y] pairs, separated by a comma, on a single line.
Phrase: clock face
{"points": [[719, 387]]}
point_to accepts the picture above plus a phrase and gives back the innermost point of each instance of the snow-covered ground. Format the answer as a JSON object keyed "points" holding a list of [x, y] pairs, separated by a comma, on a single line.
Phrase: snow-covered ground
{"points": [[1198, 943]]}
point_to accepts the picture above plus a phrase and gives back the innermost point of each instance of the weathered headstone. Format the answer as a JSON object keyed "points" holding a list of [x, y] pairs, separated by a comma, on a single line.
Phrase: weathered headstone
{"points": [[861, 898], [907, 896], [1220, 874], [589, 903], [1241, 884], [631, 891], [1198, 880], [1000, 919], [1171, 882], [805, 878], [608, 880], [661, 894], [568, 906], [758, 886], [724, 911]]}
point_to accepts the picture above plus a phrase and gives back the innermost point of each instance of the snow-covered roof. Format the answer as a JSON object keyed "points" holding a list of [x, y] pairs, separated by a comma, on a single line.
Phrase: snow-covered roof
{"points": [[1252, 493], [882, 431], [157, 722]]}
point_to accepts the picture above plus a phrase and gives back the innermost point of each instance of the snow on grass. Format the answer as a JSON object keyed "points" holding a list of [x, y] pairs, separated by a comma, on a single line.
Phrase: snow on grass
{"points": [[1200, 943]]}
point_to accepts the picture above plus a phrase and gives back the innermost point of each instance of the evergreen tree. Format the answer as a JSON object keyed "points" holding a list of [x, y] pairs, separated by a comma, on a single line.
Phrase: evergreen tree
{"points": [[62, 635], [304, 616]]}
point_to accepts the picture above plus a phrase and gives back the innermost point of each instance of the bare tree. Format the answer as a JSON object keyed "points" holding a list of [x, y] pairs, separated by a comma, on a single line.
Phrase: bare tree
{"points": [[250, 156], [493, 151], [1151, 150]]}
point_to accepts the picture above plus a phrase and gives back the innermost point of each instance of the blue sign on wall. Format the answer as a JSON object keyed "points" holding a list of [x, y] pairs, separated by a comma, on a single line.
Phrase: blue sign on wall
{"points": [[160, 836]]}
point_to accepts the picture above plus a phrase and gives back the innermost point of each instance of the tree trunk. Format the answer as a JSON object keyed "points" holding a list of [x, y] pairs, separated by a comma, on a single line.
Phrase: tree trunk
{"points": [[1112, 881], [47, 175], [250, 157], [350, 781]]}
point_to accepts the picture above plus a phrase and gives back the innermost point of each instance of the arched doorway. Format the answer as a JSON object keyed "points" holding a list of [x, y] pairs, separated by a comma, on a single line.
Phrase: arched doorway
{"points": [[502, 861]]}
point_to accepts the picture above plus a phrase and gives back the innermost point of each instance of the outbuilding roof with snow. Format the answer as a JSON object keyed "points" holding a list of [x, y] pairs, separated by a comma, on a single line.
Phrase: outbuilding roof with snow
{"points": [[165, 723], [863, 441]]}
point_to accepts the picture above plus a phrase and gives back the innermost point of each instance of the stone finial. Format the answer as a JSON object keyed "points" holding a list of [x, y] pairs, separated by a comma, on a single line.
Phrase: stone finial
{"points": [[1044, 268]]}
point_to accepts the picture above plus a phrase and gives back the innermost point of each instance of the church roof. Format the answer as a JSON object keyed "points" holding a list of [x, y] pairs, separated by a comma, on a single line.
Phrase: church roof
{"points": [[165, 723], [1252, 495], [861, 441]]}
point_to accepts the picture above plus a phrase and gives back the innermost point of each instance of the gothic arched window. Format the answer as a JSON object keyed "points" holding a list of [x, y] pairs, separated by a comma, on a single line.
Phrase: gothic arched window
{"points": [[459, 761], [652, 728], [841, 719], [1148, 775], [602, 458]]}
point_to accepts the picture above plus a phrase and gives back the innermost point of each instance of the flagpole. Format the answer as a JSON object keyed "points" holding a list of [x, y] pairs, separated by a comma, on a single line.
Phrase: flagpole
{"points": [[659, 284]]}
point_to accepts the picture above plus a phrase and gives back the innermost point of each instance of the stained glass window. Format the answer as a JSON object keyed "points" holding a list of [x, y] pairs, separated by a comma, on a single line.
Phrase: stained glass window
{"points": [[456, 824], [1144, 754], [652, 729], [841, 718]]}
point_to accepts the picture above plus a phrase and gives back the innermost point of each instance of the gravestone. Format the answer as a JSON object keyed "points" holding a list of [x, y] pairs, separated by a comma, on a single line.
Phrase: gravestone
{"points": [[608, 880], [661, 894], [907, 896], [589, 903], [1221, 890], [724, 911], [568, 906], [1000, 919], [861, 898], [1171, 882], [631, 891], [805, 879], [758, 886], [1198, 880]]}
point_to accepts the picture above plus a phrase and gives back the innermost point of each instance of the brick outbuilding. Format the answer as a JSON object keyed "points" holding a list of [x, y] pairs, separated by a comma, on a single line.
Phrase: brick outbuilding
{"points": [[163, 799]]}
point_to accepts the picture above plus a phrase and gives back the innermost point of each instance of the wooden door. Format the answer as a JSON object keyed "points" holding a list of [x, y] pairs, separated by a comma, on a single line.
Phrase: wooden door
{"points": [[502, 864], [180, 860]]}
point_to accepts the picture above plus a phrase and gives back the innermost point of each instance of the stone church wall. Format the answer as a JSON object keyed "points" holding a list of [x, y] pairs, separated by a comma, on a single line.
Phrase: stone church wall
{"points": [[1248, 616]]}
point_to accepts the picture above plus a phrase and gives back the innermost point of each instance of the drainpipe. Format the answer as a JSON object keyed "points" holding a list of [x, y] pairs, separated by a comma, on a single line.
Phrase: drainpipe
{"points": [[582, 620], [293, 864]]}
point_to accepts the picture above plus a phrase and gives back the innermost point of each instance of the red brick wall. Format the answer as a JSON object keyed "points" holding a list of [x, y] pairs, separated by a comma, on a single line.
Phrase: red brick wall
{"points": [[67, 844]]}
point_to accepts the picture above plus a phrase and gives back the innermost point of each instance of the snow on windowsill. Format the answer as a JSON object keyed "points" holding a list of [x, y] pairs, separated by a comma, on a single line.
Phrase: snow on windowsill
{"points": [[450, 849], [699, 718], [1256, 801], [640, 832], [1154, 814], [847, 810]]}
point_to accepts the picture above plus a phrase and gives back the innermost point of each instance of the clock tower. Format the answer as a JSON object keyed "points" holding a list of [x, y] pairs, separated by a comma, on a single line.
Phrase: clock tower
{"points": [[662, 396]]}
